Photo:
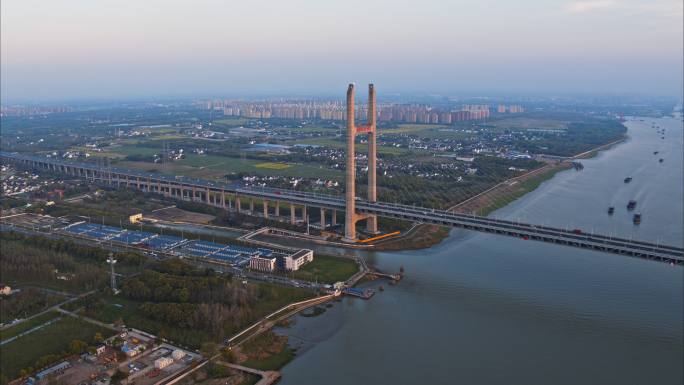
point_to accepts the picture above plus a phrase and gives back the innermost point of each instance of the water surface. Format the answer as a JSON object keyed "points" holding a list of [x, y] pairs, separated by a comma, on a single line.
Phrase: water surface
{"points": [[486, 309]]}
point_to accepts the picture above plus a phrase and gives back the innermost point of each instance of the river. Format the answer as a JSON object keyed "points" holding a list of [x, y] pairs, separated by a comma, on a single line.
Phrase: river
{"points": [[486, 309]]}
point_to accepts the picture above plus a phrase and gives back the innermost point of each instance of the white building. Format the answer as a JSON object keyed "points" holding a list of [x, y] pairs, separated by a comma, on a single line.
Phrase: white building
{"points": [[5, 290], [262, 264], [161, 363], [295, 261], [178, 354]]}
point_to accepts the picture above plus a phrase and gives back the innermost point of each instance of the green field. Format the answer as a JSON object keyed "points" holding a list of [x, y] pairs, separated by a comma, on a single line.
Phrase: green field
{"points": [[411, 128], [361, 147], [327, 269], [26, 325], [230, 122], [54, 339], [273, 165], [216, 167], [522, 122], [114, 307]]}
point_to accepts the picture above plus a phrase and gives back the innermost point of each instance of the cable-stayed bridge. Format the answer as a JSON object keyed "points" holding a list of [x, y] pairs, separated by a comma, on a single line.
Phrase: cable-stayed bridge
{"points": [[231, 196]]}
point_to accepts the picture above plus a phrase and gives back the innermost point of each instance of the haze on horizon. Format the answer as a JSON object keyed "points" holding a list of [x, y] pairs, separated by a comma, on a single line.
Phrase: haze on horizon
{"points": [[80, 49]]}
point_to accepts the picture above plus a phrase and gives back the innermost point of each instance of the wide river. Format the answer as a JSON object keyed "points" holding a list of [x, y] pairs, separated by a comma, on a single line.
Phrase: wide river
{"points": [[486, 309]]}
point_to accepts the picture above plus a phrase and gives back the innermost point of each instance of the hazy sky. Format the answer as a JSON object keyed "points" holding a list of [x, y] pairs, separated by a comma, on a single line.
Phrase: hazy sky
{"points": [[67, 49]]}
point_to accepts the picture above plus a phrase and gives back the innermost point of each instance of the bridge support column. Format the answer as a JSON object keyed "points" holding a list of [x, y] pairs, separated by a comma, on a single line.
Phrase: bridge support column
{"points": [[304, 213], [322, 218], [277, 209], [208, 196], [251, 206], [349, 188], [293, 218], [223, 199], [238, 207], [265, 204], [333, 220]]}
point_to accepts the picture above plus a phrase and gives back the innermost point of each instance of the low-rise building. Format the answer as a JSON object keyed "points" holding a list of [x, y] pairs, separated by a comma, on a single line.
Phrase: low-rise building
{"points": [[262, 264], [5, 290], [178, 354], [161, 363], [295, 261], [58, 368]]}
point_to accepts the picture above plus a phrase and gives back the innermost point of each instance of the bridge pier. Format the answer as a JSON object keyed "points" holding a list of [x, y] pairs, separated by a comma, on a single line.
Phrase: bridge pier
{"points": [[322, 219], [265, 206], [351, 216], [293, 218]]}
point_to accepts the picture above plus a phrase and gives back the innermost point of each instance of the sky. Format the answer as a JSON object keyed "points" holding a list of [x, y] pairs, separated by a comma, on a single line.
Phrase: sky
{"points": [[116, 49]]}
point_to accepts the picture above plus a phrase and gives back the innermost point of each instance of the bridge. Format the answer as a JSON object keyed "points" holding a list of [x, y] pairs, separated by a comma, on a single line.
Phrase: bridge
{"points": [[229, 196]]}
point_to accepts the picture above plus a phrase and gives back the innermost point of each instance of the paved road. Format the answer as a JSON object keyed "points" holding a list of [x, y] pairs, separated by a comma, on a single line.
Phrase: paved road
{"points": [[51, 308], [268, 377], [50, 322]]}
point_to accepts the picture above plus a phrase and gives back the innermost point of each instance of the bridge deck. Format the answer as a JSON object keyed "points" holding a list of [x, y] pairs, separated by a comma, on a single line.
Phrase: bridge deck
{"points": [[630, 247]]}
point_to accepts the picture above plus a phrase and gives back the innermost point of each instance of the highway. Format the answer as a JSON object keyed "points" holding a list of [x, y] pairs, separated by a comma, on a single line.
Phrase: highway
{"points": [[568, 237]]}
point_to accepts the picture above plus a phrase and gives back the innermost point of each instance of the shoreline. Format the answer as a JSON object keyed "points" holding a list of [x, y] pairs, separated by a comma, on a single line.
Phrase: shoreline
{"points": [[424, 236]]}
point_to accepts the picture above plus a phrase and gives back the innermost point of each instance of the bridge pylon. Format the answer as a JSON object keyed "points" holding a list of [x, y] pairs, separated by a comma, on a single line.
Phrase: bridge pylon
{"points": [[351, 216]]}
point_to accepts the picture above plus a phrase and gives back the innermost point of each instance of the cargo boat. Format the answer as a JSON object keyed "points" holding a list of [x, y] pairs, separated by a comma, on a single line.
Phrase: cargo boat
{"points": [[631, 205], [628, 179], [611, 210], [636, 219]]}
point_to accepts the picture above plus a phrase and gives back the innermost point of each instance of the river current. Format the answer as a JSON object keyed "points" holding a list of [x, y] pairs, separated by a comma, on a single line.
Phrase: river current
{"points": [[487, 309]]}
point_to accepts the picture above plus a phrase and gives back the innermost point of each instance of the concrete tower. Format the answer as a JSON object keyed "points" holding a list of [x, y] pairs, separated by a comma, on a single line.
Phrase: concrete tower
{"points": [[351, 216]]}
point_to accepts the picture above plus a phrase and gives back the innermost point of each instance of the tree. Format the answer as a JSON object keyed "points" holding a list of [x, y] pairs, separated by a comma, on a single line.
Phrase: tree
{"points": [[77, 346], [118, 322], [118, 376], [209, 349], [98, 337], [228, 355]]}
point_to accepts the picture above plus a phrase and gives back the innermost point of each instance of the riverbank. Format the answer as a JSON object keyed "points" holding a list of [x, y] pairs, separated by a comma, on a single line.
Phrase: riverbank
{"points": [[465, 305], [424, 236]]}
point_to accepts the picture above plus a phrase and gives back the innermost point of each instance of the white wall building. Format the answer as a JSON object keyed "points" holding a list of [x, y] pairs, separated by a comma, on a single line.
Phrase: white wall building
{"points": [[295, 261], [262, 264], [161, 363]]}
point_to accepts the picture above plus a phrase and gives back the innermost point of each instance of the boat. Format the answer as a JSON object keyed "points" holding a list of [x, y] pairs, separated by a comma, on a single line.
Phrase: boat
{"points": [[611, 210], [636, 219], [660, 160], [655, 152], [628, 179], [631, 205]]}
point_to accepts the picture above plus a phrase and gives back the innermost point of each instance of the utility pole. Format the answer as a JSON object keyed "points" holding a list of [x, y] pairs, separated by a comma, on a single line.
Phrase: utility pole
{"points": [[111, 262]]}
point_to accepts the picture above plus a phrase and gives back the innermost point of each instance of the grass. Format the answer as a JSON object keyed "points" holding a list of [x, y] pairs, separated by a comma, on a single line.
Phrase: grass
{"points": [[230, 122], [26, 325], [272, 362], [328, 269], [360, 147], [524, 187], [522, 122], [275, 349], [53, 339], [128, 310], [217, 166], [411, 128], [272, 165]]}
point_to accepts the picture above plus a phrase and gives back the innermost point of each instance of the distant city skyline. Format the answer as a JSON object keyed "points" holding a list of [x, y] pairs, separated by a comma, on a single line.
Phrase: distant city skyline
{"points": [[78, 49]]}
